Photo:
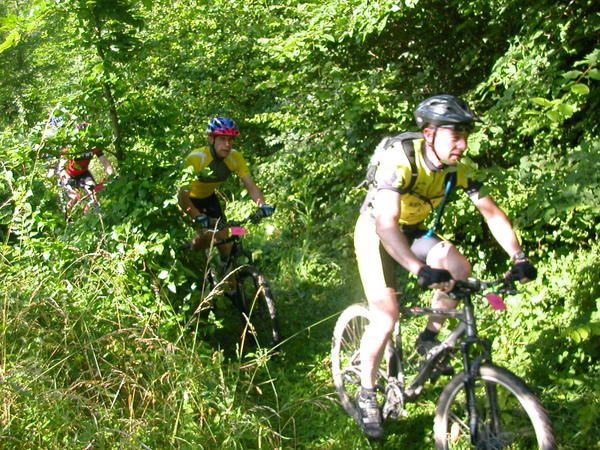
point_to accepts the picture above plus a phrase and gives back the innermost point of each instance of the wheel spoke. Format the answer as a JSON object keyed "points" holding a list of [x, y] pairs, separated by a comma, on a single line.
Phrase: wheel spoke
{"points": [[345, 358], [258, 309], [507, 415]]}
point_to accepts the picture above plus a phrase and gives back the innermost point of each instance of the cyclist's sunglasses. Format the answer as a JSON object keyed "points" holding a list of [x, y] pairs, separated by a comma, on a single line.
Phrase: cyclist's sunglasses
{"points": [[459, 127]]}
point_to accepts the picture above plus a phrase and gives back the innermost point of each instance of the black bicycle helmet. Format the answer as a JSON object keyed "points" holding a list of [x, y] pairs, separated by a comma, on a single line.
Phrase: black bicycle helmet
{"points": [[444, 109]]}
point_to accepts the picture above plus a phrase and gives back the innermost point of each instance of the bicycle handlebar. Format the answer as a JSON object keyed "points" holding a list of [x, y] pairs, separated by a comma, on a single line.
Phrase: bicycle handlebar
{"points": [[255, 217], [472, 285]]}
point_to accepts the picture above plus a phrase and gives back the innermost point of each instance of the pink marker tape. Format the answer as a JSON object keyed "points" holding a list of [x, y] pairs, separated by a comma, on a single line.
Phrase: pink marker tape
{"points": [[495, 301], [238, 231]]}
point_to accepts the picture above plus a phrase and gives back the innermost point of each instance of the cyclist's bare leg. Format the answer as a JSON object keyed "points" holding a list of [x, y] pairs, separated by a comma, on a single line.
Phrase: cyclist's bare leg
{"points": [[225, 249], [383, 313], [204, 239], [445, 255], [74, 197], [72, 194], [88, 189]]}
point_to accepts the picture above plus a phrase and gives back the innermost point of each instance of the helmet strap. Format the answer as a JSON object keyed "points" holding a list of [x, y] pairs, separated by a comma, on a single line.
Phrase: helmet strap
{"points": [[213, 150], [443, 164]]}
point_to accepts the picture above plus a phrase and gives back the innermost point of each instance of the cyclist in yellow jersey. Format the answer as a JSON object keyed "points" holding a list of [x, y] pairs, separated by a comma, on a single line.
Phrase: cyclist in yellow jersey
{"points": [[210, 167], [390, 231]]}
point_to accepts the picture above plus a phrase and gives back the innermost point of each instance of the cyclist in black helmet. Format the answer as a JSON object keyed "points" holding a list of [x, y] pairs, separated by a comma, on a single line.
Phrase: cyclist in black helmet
{"points": [[408, 187]]}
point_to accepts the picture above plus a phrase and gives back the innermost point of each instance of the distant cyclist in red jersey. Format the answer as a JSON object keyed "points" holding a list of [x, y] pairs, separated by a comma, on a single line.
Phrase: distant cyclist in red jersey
{"points": [[74, 175]]}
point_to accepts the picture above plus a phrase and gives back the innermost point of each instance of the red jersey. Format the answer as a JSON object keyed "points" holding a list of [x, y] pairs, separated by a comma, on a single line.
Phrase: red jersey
{"points": [[80, 163]]}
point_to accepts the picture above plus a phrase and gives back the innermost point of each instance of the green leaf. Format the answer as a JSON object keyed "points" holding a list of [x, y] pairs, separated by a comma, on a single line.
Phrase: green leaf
{"points": [[566, 109], [580, 88], [554, 116], [549, 214], [594, 74], [11, 39], [475, 146], [541, 101], [572, 74]]}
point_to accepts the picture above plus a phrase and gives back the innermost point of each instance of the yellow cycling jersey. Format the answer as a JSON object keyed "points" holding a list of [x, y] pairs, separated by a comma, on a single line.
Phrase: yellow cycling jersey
{"points": [[209, 172], [395, 172]]}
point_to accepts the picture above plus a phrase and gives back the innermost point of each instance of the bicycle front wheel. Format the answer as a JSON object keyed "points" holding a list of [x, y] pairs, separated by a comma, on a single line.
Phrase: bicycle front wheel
{"points": [[507, 414], [345, 358], [258, 307]]}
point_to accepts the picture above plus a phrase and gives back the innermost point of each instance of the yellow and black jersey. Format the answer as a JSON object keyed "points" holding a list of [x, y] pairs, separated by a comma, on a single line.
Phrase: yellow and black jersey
{"points": [[208, 173], [395, 172]]}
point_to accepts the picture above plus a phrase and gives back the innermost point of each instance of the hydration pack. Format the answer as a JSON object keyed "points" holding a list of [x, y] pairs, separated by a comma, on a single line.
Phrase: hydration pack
{"points": [[386, 144], [406, 140]]}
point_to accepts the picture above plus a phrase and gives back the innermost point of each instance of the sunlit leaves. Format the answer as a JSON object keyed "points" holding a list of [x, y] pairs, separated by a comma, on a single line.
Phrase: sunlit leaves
{"points": [[10, 40], [580, 89]]}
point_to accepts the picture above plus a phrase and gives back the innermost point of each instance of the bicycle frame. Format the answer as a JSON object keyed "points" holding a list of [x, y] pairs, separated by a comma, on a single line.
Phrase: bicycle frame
{"points": [[466, 327], [237, 250], [467, 330]]}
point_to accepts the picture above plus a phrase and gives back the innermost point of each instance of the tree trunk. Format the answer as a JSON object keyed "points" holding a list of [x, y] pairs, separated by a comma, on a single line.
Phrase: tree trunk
{"points": [[114, 121], [112, 107]]}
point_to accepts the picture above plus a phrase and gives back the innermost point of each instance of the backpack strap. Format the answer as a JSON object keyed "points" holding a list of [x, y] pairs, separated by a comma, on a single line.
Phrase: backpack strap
{"points": [[406, 139], [409, 151]]}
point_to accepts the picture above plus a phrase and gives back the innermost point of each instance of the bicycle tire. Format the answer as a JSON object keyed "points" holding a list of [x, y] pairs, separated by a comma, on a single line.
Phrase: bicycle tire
{"points": [[257, 306], [345, 358], [522, 421]]}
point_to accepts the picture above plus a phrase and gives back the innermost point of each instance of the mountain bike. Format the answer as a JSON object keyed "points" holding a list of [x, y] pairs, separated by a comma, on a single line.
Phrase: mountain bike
{"points": [[75, 195], [249, 290], [484, 406]]}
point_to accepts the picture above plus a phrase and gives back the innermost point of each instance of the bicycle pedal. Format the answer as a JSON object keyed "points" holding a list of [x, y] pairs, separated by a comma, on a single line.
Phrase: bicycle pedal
{"points": [[393, 407], [393, 412]]}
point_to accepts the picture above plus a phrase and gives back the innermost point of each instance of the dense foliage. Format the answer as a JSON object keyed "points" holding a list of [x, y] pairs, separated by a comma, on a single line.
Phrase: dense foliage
{"points": [[99, 343]]}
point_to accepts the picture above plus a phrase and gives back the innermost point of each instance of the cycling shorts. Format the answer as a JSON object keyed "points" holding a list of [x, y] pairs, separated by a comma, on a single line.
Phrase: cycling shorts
{"points": [[210, 206], [83, 180], [375, 265]]}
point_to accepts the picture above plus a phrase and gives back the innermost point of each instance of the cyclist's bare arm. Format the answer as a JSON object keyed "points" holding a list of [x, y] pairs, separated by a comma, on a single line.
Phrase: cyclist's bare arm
{"points": [[498, 223], [253, 189], [387, 214], [183, 197], [108, 168]]}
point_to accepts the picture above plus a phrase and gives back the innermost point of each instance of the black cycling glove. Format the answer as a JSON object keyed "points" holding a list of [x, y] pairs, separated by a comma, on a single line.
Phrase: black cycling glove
{"points": [[201, 220], [428, 276], [266, 210], [522, 270]]}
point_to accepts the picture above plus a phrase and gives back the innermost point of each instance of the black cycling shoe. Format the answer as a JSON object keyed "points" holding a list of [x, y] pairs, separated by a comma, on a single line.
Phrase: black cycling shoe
{"points": [[370, 415], [424, 346]]}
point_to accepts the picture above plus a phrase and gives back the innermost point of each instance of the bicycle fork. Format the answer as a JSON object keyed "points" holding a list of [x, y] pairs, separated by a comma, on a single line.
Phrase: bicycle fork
{"points": [[472, 366]]}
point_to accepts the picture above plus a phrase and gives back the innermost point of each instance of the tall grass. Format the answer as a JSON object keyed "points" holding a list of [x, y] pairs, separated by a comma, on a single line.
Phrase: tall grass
{"points": [[87, 362], [98, 351]]}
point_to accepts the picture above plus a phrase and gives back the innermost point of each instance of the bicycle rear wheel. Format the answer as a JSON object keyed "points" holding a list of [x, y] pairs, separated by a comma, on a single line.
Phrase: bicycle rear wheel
{"points": [[345, 359], [257, 306], [509, 416]]}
